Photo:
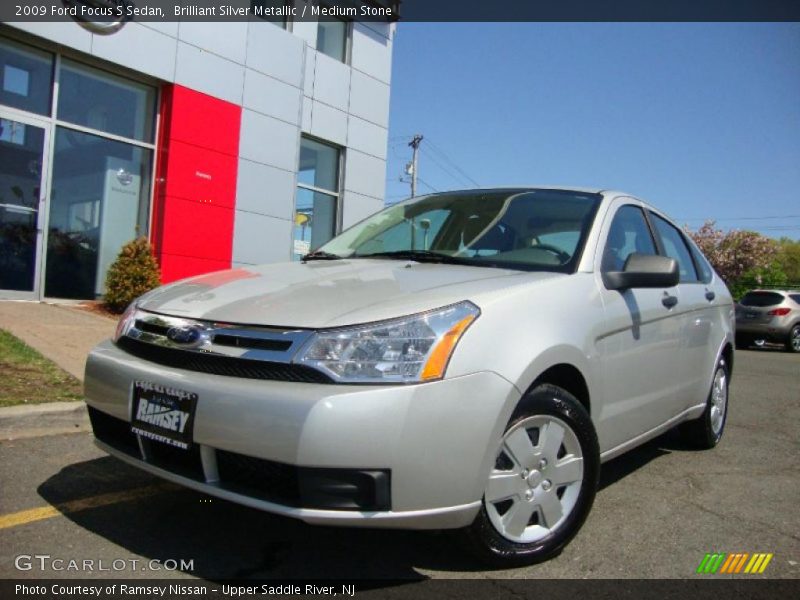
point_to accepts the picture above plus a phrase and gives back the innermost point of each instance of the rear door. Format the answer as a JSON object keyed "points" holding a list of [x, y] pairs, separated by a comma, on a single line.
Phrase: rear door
{"points": [[697, 310]]}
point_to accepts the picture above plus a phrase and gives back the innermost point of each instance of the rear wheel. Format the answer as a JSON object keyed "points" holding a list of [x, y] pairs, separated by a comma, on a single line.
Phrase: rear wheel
{"points": [[543, 482], [793, 342], [706, 431]]}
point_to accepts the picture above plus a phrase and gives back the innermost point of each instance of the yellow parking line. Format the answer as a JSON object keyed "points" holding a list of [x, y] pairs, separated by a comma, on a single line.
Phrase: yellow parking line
{"points": [[47, 512]]}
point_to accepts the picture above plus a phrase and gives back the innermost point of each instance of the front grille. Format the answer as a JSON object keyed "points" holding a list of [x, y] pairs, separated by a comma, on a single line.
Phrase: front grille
{"points": [[264, 479], [288, 485], [254, 343], [114, 432], [170, 458], [148, 327], [227, 366], [305, 487]]}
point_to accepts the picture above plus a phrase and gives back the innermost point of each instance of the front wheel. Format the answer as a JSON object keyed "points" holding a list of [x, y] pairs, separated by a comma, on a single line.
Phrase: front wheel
{"points": [[705, 432], [543, 481], [793, 342]]}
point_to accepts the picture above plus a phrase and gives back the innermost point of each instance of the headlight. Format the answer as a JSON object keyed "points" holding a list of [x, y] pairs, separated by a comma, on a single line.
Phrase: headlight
{"points": [[405, 350]]}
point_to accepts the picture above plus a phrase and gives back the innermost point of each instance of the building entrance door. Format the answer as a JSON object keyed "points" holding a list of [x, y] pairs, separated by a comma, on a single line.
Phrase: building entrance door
{"points": [[23, 168]]}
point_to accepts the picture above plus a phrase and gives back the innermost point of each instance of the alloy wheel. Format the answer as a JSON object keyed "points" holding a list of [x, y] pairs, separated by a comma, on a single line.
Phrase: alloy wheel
{"points": [[719, 400]]}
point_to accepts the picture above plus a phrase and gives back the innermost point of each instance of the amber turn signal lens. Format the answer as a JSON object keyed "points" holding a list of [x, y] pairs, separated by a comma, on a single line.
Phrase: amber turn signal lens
{"points": [[437, 362]]}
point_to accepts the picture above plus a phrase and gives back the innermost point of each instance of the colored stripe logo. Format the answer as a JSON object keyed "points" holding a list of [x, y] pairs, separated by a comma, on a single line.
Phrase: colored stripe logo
{"points": [[734, 563]]}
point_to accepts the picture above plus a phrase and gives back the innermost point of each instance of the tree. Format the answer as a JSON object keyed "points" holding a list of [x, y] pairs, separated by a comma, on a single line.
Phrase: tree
{"points": [[741, 258], [133, 273], [789, 259]]}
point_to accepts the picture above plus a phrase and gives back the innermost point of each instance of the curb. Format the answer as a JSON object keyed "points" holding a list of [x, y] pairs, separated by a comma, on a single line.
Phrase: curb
{"points": [[36, 420]]}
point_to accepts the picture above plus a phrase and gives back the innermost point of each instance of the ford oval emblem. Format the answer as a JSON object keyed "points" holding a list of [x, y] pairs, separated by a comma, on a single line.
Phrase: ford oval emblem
{"points": [[184, 335]]}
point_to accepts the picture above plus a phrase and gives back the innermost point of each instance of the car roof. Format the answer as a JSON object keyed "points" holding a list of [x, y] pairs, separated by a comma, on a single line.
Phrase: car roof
{"points": [[532, 188]]}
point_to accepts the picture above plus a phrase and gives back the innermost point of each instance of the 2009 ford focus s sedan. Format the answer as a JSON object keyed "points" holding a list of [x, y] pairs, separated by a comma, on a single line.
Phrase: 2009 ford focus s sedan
{"points": [[464, 360]]}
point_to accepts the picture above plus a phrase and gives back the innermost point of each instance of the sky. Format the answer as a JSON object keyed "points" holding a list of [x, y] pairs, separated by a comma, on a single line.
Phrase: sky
{"points": [[702, 120]]}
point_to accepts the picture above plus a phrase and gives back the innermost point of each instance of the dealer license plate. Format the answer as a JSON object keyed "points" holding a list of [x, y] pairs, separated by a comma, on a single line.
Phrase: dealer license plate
{"points": [[163, 413]]}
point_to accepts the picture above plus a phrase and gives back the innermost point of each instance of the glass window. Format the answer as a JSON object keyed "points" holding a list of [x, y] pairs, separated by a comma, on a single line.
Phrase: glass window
{"points": [[319, 165], [762, 299], [527, 230], [675, 247], [317, 199], [99, 100], [332, 39], [26, 80], [21, 150], [98, 202], [416, 233], [629, 233], [706, 272]]}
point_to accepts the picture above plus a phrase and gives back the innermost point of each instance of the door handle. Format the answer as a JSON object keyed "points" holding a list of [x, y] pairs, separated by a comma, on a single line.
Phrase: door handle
{"points": [[669, 301], [710, 295]]}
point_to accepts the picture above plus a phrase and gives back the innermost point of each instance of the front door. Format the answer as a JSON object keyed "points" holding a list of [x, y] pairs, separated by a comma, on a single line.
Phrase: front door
{"points": [[23, 145], [641, 346]]}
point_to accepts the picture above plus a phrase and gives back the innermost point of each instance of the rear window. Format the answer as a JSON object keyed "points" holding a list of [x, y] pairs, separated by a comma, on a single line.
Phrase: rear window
{"points": [[761, 299]]}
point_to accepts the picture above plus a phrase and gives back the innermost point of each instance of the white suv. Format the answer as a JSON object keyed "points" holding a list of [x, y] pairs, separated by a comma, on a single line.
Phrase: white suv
{"points": [[461, 360]]}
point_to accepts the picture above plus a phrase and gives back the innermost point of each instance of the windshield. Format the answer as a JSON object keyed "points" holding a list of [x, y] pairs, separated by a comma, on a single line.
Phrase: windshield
{"points": [[527, 230]]}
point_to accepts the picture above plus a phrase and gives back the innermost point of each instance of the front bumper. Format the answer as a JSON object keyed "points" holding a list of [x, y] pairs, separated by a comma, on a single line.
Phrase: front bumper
{"points": [[435, 442]]}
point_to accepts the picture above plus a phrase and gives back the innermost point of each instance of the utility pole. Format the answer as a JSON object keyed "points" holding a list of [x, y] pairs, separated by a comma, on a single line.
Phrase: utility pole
{"points": [[415, 162]]}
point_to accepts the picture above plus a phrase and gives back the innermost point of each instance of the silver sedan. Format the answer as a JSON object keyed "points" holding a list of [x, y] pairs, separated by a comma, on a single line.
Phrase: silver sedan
{"points": [[464, 360]]}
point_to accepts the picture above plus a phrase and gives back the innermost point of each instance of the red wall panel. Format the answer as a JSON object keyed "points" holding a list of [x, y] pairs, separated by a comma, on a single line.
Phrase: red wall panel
{"points": [[201, 174], [196, 173], [197, 229], [187, 266]]}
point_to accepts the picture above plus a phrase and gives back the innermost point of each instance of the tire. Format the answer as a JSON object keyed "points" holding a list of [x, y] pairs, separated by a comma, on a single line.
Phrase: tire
{"points": [[706, 431], [743, 342], [793, 341], [549, 453]]}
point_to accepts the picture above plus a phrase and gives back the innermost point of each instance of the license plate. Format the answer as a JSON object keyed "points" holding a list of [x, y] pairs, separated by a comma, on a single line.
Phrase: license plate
{"points": [[163, 414], [750, 315]]}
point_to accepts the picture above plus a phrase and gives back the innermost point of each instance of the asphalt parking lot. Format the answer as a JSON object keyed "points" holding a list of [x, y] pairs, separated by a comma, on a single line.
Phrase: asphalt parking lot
{"points": [[659, 510]]}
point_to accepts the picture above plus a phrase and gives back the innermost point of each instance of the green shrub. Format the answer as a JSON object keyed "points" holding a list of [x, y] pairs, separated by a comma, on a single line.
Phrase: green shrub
{"points": [[134, 272]]}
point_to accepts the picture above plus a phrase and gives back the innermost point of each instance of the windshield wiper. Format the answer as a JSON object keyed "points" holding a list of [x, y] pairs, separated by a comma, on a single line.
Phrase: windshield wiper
{"points": [[418, 256], [320, 255]]}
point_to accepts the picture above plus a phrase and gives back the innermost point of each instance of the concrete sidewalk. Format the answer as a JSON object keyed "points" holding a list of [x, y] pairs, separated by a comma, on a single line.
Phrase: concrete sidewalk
{"points": [[64, 334]]}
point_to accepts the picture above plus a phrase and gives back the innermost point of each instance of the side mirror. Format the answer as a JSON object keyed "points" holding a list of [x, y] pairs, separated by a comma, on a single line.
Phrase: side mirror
{"points": [[644, 271]]}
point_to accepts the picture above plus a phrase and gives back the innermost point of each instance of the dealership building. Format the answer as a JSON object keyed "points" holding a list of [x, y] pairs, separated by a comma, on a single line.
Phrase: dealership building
{"points": [[227, 144]]}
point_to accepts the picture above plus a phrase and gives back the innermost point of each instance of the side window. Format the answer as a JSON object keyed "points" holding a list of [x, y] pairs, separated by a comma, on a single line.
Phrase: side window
{"points": [[629, 233], [706, 273], [675, 247]]}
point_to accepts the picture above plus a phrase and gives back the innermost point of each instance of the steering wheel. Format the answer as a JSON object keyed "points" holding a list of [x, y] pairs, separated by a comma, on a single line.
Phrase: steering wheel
{"points": [[563, 257]]}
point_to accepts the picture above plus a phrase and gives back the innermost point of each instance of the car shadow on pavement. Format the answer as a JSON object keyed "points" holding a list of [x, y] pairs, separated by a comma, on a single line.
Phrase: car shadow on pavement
{"points": [[228, 541], [622, 466]]}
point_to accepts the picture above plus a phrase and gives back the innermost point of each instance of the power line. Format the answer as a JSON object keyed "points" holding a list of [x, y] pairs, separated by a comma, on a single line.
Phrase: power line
{"points": [[741, 218], [426, 184], [445, 157], [457, 177]]}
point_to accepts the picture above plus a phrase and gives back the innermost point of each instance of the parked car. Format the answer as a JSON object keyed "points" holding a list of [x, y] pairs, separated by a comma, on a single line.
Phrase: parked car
{"points": [[463, 360], [769, 316]]}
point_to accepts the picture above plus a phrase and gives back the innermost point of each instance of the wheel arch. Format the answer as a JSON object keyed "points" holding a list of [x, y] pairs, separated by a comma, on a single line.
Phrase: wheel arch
{"points": [[568, 377], [727, 355]]}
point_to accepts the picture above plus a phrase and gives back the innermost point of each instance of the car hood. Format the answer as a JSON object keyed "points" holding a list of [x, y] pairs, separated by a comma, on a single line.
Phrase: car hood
{"points": [[330, 293]]}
